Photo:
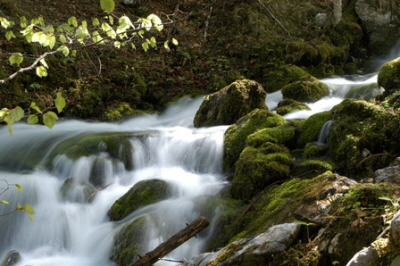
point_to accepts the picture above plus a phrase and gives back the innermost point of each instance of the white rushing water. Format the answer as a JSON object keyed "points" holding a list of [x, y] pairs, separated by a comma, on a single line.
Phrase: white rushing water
{"points": [[72, 231]]}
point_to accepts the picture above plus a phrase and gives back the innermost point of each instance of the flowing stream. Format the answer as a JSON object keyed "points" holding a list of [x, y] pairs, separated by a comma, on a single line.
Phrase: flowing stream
{"points": [[70, 228]]}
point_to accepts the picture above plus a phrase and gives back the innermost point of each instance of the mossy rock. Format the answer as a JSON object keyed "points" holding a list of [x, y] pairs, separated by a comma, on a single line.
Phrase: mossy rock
{"points": [[128, 243], [363, 137], [311, 168], [117, 145], [229, 104], [354, 229], [278, 78], [119, 111], [284, 134], [365, 92], [236, 134], [289, 105], [308, 89], [388, 76], [141, 194], [256, 169], [313, 150], [310, 128]]}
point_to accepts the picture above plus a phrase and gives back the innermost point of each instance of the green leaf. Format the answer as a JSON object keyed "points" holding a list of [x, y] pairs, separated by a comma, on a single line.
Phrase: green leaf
{"points": [[303, 223], [23, 22], [41, 71], [43, 62], [156, 21], [62, 38], [4, 202], [95, 22], [64, 49], [72, 21], [16, 58], [19, 187], [52, 41], [4, 22], [49, 119], [33, 119], [107, 5], [14, 115], [174, 41], [10, 35], [145, 46], [166, 46], [60, 102], [10, 130], [35, 107], [28, 208]]}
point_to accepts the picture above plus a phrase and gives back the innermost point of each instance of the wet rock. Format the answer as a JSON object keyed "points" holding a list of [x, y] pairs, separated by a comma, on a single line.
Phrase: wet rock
{"points": [[12, 258], [141, 194], [388, 174], [288, 105], [236, 134], [253, 251], [388, 77], [127, 243], [74, 191], [229, 104], [380, 20], [308, 89]]}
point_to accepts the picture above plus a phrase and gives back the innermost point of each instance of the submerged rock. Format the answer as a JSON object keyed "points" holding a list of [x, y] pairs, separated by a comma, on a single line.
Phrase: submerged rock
{"points": [[141, 194], [12, 258], [229, 104]]}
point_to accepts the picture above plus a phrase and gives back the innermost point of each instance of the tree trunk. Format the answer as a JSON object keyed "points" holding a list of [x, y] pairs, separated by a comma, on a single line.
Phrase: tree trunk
{"points": [[337, 11], [172, 243]]}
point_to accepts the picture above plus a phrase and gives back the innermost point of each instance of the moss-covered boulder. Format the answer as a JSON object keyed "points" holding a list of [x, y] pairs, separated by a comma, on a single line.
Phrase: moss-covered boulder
{"points": [[288, 105], [141, 194], [229, 104], [236, 135], [363, 137], [388, 77], [278, 78], [308, 89], [256, 169], [310, 128], [128, 243], [312, 168], [313, 150]]}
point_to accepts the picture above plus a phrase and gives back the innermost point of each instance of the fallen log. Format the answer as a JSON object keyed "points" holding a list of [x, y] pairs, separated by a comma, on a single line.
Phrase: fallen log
{"points": [[172, 243]]}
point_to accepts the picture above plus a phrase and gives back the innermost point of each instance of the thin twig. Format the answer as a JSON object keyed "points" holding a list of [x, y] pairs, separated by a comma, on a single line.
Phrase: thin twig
{"points": [[272, 15]]}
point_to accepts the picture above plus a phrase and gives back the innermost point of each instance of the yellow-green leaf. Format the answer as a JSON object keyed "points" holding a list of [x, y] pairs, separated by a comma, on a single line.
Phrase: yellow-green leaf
{"points": [[60, 102], [174, 41], [49, 119], [64, 49], [10, 35], [10, 130], [166, 46], [23, 22], [18, 186], [52, 41], [43, 62], [33, 119], [107, 5], [35, 107], [62, 38], [41, 71], [72, 21], [4, 22], [4, 202], [16, 58], [145, 46], [95, 22]]}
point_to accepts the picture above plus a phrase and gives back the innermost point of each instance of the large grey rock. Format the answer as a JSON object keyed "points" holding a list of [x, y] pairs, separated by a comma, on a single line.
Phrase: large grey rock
{"points": [[388, 174], [380, 21], [395, 230], [365, 257], [226, 106]]}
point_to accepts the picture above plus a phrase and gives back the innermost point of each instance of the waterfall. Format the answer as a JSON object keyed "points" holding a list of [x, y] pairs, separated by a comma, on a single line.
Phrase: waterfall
{"points": [[57, 173], [323, 134]]}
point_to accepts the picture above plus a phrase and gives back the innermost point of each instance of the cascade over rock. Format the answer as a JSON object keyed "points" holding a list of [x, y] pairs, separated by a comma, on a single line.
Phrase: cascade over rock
{"points": [[229, 104]]}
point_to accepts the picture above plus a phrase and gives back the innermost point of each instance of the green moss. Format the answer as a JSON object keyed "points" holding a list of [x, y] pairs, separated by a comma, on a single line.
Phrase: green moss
{"points": [[314, 151], [141, 194], [120, 111], [284, 75], [128, 242], [312, 168], [236, 135], [362, 137], [255, 170], [388, 76], [310, 128], [230, 103], [281, 134], [307, 90], [288, 105]]}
